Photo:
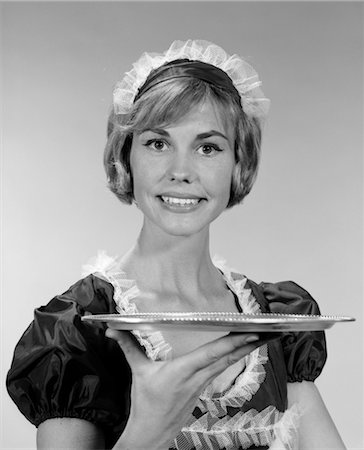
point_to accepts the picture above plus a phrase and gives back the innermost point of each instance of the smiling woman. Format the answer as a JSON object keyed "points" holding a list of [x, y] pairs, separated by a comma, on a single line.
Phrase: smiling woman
{"points": [[183, 144], [186, 164], [188, 85]]}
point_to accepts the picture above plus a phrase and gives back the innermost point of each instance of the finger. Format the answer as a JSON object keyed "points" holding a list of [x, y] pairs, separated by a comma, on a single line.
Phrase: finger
{"points": [[130, 347], [266, 335], [213, 351], [214, 369]]}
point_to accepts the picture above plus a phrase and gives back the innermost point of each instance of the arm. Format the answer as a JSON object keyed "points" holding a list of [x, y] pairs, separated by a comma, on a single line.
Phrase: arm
{"points": [[317, 429], [171, 385], [69, 433]]}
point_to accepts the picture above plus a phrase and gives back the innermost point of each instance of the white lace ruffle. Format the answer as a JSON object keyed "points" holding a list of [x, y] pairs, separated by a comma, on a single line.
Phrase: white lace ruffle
{"points": [[98, 264], [243, 76], [270, 427], [242, 390], [125, 290], [215, 429], [248, 382]]}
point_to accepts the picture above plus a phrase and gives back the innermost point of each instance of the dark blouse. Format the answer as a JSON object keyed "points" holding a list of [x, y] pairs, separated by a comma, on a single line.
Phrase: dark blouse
{"points": [[63, 367]]}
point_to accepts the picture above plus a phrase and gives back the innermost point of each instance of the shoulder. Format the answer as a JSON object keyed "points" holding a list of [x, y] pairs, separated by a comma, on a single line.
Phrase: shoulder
{"points": [[92, 292], [285, 297]]}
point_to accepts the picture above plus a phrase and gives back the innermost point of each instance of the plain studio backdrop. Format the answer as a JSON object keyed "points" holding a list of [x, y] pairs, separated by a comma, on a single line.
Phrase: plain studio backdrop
{"points": [[301, 222]]}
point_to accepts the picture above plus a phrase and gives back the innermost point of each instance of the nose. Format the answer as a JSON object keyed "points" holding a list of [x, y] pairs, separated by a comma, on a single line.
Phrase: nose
{"points": [[181, 168]]}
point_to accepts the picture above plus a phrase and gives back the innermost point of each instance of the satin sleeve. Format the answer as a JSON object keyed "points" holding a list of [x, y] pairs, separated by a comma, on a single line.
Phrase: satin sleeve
{"points": [[304, 352], [63, 367]]}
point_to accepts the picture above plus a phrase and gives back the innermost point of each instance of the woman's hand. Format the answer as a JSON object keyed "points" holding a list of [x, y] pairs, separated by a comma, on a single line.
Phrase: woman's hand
{"points": [[164, 393]]}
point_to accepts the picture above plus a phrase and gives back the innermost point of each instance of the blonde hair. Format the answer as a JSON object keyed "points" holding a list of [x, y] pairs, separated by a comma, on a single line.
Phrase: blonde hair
{"points": [[165, 104]]}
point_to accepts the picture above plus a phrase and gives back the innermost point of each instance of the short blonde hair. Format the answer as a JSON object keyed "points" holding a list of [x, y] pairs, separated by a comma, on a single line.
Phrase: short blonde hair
{"points": [[165, 104]]}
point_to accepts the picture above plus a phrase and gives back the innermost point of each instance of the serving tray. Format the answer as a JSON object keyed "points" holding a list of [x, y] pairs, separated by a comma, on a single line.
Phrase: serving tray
{"points": [[218, 321]]}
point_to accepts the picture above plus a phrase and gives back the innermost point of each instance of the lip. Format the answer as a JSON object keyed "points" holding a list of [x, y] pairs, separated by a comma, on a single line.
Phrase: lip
{"points": [[183, 195], [186, 208]]}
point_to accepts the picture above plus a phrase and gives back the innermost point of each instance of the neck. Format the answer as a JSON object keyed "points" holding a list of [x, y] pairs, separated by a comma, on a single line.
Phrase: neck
{"points": [[174, 264]]}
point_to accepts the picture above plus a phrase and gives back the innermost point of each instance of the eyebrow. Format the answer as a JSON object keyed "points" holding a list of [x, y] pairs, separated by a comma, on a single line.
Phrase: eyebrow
{"points": [[208, 134], [200, 136]]}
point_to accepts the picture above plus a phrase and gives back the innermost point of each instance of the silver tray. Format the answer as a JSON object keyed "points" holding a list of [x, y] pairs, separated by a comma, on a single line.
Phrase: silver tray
{"points": [[217, 321]]}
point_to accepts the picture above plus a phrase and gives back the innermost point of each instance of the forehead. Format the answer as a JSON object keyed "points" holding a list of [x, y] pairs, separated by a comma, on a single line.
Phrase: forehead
{"points": [[202, 117], [202, 114]]}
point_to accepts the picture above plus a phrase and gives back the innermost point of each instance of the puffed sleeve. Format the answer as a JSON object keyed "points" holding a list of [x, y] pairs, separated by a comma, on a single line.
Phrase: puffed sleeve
{"points": [[63, 367], [304, 352]]}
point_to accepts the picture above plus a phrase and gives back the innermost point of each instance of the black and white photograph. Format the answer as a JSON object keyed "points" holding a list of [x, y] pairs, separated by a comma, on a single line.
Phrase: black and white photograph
{"points": [[182, 225]]}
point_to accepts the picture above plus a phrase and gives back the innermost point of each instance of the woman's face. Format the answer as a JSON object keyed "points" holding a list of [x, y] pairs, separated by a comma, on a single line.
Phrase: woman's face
{"points": [[182, 172]]}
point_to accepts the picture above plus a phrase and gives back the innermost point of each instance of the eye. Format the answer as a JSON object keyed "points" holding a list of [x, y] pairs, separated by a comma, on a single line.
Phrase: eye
{"points": [[209, 149], [157, 145]]}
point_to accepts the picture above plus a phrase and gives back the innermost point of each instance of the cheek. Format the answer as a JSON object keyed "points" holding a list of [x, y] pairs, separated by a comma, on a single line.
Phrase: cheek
{"points": [[222, 179], [137, 172], [141, 178], [137, 166], [145, 175]]}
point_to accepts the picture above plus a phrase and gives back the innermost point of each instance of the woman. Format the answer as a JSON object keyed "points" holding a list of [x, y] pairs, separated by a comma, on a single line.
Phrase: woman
{"points": [[183, 145]]}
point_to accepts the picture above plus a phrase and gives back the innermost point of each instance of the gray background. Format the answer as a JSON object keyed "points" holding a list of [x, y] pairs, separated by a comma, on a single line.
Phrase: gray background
{"points": [[303, 219]]}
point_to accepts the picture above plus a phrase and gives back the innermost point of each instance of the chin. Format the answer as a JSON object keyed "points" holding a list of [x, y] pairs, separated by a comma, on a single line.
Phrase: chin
{"points": [[187, 226], [184, 230]]}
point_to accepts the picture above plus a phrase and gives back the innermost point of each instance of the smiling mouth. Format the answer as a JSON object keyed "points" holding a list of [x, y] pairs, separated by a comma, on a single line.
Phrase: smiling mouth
{"points": [[180, 202]]}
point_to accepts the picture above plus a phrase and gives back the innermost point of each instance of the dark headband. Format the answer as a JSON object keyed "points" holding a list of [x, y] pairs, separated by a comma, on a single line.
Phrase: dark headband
{"points": [[185, 68]]}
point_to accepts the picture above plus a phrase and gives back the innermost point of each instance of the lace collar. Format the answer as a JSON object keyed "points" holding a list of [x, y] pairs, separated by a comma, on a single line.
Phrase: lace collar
{"points": [[126, 290]]}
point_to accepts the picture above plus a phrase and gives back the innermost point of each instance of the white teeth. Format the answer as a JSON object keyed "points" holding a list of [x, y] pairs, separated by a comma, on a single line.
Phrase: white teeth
{"points": [[180, 201]]}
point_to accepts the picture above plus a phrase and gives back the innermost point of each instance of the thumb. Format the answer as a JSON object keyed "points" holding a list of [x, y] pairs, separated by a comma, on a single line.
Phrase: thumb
{"points": [[133, 352]]}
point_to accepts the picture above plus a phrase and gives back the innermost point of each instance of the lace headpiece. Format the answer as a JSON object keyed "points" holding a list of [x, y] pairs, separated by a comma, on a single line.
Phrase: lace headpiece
{"points": [[242, 78]]}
